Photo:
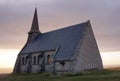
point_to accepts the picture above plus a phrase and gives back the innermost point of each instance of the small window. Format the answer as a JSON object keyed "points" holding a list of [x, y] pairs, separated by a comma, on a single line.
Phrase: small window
{"points": [[62, 63], [23, 60], [34, 60], [26, 60], [48, 59], [38, 61]]}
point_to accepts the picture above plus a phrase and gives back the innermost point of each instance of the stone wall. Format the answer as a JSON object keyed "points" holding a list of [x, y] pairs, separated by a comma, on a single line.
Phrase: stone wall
{"points": [[35, 66], [63, 68], [23, 67], [87, 53], [49, 67]]}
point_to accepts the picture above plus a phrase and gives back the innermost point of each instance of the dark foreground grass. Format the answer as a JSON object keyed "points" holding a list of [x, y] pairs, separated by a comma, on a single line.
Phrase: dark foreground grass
{"points": [[105, 75]]}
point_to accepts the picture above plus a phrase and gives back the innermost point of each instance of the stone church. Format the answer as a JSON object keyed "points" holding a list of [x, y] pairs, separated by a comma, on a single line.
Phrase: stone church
{"points": [[70, 49]]}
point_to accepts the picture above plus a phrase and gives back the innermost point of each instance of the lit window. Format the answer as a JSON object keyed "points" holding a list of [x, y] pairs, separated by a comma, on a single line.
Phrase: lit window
{"points": [[48, 59]]}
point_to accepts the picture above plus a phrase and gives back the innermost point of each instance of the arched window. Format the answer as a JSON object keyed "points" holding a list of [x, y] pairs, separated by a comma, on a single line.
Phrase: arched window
{"points": [[48, 59], [23, 60], [38, 61], [26, 60], [34, 60]]}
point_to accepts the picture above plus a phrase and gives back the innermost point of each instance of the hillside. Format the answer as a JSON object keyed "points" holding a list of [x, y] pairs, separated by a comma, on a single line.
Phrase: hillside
{"points": [[106, 75]]}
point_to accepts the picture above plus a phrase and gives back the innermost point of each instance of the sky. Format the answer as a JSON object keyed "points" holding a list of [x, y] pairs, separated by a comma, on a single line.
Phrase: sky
{"points": [[16, 19]]}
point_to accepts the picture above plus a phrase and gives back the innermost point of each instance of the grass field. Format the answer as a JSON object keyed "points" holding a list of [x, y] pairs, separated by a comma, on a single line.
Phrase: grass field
{"points": [[105, 75]]}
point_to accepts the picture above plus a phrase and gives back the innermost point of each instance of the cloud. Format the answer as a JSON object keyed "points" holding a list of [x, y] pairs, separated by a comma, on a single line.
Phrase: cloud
{"points": [[16, 18]]}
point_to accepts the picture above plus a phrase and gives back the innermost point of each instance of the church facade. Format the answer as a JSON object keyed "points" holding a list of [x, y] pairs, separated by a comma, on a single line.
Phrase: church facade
{"points": [[68, 50]]}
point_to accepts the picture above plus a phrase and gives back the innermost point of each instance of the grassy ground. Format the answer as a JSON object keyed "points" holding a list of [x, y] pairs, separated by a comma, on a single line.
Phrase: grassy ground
{"points": [[106, 75]]}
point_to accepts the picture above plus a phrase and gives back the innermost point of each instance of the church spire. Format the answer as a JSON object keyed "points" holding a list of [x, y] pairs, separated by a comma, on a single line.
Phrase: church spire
{"points": [[34, 32], [35, 24]]}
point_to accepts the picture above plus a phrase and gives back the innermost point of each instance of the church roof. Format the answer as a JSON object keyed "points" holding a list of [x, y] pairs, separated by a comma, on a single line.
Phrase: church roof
{"points": [[66, 38]]}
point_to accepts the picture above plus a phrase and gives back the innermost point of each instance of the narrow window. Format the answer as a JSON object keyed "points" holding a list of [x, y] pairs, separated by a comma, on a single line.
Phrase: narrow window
{"points": [[26, 60], [38, 61], [48, 59], [34, 60], [22, 60]]}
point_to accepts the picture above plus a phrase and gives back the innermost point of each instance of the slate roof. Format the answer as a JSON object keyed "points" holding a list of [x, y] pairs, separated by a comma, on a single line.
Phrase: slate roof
{"points": [[66, 38]]}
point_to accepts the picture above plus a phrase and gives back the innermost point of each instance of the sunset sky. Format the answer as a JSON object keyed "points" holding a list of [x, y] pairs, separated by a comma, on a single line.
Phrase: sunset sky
{"points": [[16, 19]]}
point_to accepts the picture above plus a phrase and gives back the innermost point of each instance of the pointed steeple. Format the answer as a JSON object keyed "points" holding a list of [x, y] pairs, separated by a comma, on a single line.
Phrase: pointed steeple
{"points": [[35, 24], [34, 32]]}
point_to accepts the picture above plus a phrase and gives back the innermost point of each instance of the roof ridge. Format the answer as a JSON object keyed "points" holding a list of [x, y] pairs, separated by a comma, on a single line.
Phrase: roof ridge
{"points": [[65, 27]]}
